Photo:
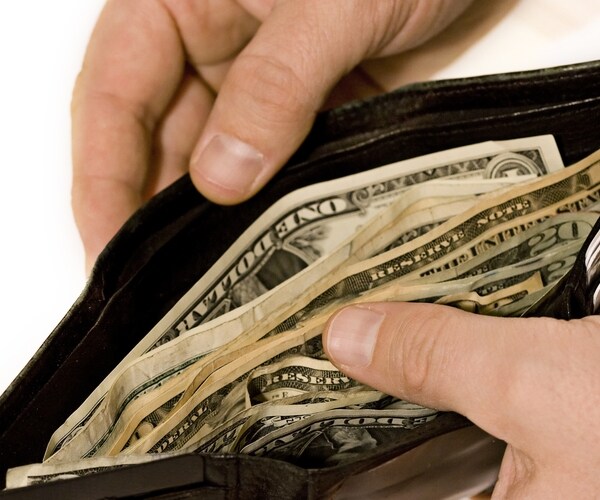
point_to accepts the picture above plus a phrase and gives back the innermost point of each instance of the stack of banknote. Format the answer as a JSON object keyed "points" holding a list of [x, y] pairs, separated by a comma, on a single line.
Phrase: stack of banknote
{"points": [[237, 366]]}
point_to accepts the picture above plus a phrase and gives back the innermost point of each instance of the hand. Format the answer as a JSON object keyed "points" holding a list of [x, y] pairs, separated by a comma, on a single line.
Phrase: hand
{"points": [[534, 383], [145, 106]]}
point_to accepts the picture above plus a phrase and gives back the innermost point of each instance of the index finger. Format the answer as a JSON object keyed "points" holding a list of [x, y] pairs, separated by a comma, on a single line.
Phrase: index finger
{"points": [[131, 70]]}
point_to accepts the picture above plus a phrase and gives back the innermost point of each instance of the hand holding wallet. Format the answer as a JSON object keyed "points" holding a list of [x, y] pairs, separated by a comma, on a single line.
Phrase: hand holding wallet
{"points": [[403, 124]]}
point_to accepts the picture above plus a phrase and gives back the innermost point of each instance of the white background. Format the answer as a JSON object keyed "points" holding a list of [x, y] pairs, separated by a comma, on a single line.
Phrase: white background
{"points": [[41, 261], [41, 47]]}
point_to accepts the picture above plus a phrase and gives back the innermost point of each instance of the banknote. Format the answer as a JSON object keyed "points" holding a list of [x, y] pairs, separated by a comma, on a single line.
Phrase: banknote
{"points": [[500, 214], [471, 163], [264, 423], [325, 377], [294, 376], [495, 289], [168, 397], [334, 437], [541, 238], [511, 299], [206, 404], [501, 218], [311, 222], [260, 420], [530, 205]]}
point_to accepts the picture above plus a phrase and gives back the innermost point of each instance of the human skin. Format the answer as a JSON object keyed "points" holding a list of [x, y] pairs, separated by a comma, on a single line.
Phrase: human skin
{"points": [[225, 89], [532, 382]]}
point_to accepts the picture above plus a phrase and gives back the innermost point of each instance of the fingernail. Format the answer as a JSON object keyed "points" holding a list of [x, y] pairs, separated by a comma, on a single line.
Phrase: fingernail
{"points": [[352, 335], [229, 164]]}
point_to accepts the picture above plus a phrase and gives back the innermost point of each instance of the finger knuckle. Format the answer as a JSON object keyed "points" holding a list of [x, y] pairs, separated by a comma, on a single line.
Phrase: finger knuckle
{"points": [[273, 88]]}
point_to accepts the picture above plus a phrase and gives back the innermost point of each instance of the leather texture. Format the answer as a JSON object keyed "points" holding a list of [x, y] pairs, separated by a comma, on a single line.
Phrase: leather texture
{"points": [[572, 297], [168, 244]]}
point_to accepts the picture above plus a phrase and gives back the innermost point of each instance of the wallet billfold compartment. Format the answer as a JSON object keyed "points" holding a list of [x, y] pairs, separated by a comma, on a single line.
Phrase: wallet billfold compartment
{"points": [[178, 235]]}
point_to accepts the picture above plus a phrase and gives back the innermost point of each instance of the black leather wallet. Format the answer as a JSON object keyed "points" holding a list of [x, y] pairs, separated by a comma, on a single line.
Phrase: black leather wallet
{"points": [[168, 244]]}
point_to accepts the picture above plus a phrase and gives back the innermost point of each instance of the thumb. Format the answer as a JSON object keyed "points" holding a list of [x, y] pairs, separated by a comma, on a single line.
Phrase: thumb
{"points": [[482, 367], [276, 85]]}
